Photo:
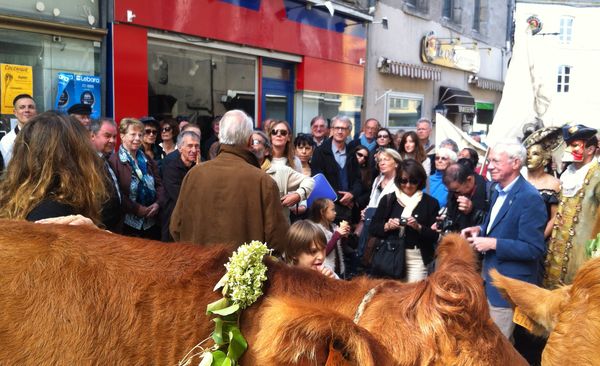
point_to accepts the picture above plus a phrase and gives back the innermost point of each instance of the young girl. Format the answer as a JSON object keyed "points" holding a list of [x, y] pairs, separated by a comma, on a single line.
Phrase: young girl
{"points": [[306, 247], [322, 212]]}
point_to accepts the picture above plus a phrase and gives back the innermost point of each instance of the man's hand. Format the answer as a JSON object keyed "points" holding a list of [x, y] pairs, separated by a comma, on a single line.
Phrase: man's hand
{"points": [[469, 232], [346, 199], [290, 199], [482, 244], [464, 204]]}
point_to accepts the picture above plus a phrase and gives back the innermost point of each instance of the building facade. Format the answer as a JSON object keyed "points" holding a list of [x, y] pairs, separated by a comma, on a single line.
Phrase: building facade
{"points": [[447, 56], [565, 56]]}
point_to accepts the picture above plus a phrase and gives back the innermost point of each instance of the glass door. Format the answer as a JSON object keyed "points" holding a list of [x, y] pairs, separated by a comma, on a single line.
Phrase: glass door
{"points": [[277, 90]]}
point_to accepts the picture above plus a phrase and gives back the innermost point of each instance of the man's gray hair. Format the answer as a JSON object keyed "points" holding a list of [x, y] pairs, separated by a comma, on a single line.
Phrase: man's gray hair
{"points": [[342, 118], [424, 120], [513, 149], [96, 124], [450, 144], [235, 128], [264, 137], [184, 134]]}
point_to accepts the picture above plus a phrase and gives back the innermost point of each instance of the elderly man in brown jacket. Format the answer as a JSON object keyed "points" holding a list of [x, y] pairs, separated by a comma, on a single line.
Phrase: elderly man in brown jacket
{"points": [[229, 199]]}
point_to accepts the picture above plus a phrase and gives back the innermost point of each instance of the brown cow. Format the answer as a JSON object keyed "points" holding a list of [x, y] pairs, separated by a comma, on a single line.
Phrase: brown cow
{"points": [[570, 315], [72, 295]]}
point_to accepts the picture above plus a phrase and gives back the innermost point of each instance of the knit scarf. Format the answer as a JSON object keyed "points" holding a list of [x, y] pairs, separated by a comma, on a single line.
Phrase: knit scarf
{"points": [[369, 145], [408, 202]]}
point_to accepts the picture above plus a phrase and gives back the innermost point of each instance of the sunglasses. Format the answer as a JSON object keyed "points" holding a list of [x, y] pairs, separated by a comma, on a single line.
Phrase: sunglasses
{"points": [[441, 158], [150, 132], [361, 155], [412, 181], [383, 136], [257, 142], [279, 132], [166, 129]]}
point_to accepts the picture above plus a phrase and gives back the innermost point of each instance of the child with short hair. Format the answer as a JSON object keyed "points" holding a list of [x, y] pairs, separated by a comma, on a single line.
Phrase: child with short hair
{"points": [[322, 212], [306, 247]]}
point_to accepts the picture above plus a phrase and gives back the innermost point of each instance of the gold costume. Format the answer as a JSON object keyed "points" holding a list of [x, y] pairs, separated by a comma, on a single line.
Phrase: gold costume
{"points": [[575, 224]]}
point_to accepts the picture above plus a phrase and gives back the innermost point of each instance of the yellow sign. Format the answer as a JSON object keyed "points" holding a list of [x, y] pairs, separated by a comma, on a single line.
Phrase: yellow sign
{"points": [[14, 80], [450, 53]]}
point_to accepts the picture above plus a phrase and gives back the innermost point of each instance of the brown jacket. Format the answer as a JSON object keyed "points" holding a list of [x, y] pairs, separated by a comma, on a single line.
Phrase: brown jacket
{"points": [[229, 200]]}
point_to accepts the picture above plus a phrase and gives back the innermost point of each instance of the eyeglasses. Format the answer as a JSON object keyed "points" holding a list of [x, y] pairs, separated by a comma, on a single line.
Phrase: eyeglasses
{"points": [[383, 136], [279, 133], [150, 132], [257, 142], [444, 158], [412, 181], [166, 129], [361, 155], [339, 128]]}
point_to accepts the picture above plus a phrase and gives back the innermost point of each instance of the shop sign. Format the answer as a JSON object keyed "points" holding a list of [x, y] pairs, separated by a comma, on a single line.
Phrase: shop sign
{"points": [[14, 80], [450, 53], [74, 88]]}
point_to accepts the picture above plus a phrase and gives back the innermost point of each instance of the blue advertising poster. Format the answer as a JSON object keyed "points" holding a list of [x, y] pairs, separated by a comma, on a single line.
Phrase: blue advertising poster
{"points": [[74, 89]]}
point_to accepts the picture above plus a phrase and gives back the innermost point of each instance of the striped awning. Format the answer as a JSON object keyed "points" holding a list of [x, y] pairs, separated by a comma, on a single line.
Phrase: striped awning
{"points": [[487, 84], [401, 69]]}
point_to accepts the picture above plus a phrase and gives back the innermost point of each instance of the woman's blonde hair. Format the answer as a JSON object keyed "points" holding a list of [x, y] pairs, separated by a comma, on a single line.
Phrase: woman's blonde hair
{"points": [[128, 122], [53, 159], [300, 237]]}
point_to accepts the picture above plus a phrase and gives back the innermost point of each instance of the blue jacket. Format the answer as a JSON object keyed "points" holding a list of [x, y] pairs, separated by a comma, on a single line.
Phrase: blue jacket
{"points": [[519, 231]]}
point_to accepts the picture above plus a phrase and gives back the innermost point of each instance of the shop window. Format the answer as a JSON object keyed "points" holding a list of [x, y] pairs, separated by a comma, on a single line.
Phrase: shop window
{"points": [[566, 30], [47, 56], [311, 104], [83, 12], [563, 79], [198, 82], [403, 110]]}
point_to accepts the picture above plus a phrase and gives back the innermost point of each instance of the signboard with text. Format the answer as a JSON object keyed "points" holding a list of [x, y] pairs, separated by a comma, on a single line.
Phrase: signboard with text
{"points": [[74, 88], [450, 53], [14, 80]]}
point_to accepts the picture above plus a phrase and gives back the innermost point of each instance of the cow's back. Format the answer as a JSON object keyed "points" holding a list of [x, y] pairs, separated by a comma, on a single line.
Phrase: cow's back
{"points": [[84, 296]]}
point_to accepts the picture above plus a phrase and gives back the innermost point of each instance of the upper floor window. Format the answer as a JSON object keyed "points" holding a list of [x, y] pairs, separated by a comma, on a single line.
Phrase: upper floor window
{"points": [[420, 5], [477, 15], [451, 11], [566, 30], [563, 79]]}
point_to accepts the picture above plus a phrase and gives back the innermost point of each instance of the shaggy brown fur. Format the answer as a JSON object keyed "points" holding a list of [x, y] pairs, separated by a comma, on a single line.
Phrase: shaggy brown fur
{"points": [[73, 295], [570, 314]]}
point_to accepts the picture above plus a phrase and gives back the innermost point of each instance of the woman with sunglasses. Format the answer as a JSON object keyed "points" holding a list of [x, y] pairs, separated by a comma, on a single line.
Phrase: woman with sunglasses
{"points": [[444, 157], [283, 146], [412, 148], [150, 146], [384, 139], [408, 212], [169, 129]]}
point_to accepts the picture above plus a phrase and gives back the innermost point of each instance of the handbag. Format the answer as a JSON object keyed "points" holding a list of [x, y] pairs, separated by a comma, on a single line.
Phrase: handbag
{"points": [[389, 258]]}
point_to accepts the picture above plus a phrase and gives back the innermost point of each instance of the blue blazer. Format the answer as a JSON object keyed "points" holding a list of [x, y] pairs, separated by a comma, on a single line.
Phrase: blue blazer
{"points": [[519, 232]]}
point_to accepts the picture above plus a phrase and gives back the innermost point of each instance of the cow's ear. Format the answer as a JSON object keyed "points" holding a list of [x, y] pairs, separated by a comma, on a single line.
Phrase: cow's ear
{"points": [[294, 332], [540, 305]]}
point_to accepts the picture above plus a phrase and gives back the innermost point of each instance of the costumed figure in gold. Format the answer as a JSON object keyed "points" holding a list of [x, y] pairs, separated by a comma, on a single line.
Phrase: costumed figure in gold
{"points": [[575, 222]]}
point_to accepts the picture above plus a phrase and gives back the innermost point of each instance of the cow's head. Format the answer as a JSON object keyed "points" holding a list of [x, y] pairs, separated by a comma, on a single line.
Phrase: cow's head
{"points": [[570, 315]]}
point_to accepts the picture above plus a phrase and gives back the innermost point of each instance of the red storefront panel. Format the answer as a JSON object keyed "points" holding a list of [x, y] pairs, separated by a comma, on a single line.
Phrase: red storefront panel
{"points": [[268, 26], [332, 77], [130, 71]]}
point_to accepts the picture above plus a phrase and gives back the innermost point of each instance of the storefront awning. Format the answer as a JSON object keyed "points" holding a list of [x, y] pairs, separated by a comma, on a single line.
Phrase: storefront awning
{"points": [[487, 84], [457, 100], [401, 69]]}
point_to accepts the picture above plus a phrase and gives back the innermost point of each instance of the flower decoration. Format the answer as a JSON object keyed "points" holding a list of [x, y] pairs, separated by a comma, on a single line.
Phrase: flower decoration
{"points": [[242, 286]]}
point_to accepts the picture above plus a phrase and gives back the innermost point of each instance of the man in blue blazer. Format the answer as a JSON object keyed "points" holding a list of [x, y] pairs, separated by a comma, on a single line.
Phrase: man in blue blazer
{"points": [[512, 235]]}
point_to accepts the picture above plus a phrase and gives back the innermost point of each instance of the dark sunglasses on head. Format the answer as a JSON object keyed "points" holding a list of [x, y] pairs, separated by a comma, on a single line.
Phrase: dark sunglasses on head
{"points": [[361, 155], [279, 132], [166, 129], [410, 180], [150, 132]]}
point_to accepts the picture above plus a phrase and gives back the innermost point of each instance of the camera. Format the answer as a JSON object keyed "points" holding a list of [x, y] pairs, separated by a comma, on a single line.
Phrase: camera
{"points": [[446, 225], [403, 221]]}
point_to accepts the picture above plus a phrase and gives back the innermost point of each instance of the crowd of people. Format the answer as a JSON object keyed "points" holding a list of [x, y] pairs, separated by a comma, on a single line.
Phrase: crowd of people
{"points": [[519, 217]]}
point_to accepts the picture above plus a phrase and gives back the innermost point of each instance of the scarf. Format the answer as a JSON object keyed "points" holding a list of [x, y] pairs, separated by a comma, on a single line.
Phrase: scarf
{"points": [[142, 183], [369, 145], [408, 202]]}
